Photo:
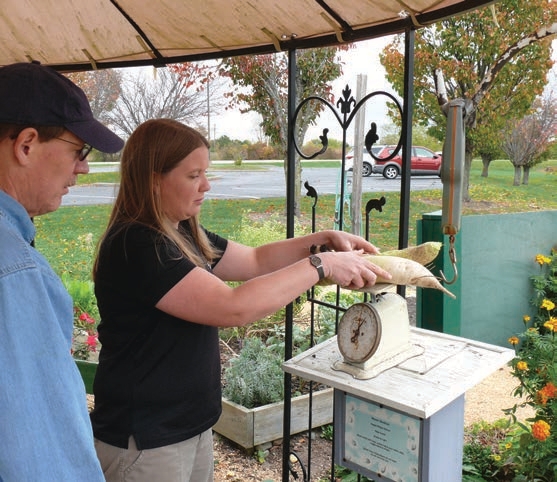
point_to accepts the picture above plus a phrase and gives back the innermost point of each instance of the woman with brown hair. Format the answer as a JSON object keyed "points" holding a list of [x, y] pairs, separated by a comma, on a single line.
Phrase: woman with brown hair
{"points": [[160, 281]]}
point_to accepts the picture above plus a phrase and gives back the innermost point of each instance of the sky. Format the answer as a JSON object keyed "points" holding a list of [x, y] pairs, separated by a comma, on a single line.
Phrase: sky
{"points": [[362, 60]]}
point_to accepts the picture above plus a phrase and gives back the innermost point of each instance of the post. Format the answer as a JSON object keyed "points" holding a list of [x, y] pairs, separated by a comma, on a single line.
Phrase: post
{"points": [[360, 120]]}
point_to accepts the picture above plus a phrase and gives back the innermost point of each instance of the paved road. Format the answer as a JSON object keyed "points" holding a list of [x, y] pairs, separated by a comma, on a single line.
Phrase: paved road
{"points": [[230, 184]]}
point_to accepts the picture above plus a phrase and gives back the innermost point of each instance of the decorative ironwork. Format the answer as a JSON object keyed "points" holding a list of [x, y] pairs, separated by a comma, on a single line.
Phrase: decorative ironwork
{"points": [[345, 112], [345, 104]]}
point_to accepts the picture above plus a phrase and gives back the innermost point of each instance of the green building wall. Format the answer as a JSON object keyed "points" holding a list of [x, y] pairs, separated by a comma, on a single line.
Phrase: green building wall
{"points": [[495, 259]]}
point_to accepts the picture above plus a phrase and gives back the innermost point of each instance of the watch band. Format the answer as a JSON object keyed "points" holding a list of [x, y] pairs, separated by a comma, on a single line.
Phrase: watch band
{"points": [[316, 263]]}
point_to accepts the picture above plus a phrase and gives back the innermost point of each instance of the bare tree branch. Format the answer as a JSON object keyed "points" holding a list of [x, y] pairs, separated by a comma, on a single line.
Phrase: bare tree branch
{"points": [[512, 51], [526, 140], [160, 93]]}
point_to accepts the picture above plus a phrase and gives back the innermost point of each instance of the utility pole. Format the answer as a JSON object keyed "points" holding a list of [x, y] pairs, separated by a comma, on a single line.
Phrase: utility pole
{"points": [[359, 123], [208, 119]]}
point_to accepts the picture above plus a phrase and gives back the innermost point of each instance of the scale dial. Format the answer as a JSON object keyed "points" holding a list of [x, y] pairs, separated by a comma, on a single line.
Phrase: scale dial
{"points": [[359, 333]]}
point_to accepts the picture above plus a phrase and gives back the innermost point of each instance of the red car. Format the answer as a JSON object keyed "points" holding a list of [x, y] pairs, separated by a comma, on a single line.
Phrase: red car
{"points": [[424, 162]]}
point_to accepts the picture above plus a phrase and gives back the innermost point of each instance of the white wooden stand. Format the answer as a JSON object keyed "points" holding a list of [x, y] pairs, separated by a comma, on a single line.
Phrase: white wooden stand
{"points": [[407, 423]]}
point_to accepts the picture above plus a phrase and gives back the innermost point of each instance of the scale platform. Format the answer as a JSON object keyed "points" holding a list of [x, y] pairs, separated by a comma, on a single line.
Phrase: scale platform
{"points": [[420, 386]]}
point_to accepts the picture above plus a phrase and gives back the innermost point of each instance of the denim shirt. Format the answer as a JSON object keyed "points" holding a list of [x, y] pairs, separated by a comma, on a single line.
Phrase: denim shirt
{"points": [[45, 432]]}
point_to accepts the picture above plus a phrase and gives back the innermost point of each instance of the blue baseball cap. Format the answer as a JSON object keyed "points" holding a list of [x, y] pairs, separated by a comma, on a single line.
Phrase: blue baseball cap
{"points": [[33, 94]]}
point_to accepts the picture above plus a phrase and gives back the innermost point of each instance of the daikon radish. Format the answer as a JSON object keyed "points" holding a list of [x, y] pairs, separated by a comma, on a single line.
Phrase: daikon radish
{"points": [[404, 272], [423, 253]]}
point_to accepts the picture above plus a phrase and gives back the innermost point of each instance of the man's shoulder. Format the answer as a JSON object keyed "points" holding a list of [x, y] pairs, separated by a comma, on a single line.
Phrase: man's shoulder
{"points": [[15, 253]]}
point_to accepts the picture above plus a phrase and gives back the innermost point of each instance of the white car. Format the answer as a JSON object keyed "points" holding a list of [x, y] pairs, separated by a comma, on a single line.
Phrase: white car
{"points": [[367, 161]]}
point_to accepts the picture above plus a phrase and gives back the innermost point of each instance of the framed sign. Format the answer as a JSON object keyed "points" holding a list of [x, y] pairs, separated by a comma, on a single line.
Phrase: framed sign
{"points": [[377, 441]]}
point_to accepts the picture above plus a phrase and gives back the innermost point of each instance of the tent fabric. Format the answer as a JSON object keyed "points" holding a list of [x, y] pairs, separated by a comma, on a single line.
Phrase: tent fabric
{"points": [[89, 34]]}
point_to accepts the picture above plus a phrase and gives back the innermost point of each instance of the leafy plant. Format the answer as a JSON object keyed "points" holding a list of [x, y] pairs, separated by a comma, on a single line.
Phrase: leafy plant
{"points": [[83, 294], [534, 445], [261, 455], [484, 452], [255, 377], [545, 286], [327, 432], [85, 343], [300, 338], [347, 475]]}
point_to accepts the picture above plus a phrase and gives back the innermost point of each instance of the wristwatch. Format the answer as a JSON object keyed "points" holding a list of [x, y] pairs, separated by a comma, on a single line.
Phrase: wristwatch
{"points": [[316, 263]]}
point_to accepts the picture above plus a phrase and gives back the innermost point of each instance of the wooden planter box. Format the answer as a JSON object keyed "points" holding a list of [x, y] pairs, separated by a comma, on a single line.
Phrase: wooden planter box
{"points": [[252, 427]]}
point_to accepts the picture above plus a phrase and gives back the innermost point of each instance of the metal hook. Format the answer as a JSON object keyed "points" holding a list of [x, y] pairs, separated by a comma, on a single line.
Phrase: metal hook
{"points": [[452, 256]]}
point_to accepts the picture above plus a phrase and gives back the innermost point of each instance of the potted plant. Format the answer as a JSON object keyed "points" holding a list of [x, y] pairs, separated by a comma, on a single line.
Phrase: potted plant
{"points": [[253, 394]]}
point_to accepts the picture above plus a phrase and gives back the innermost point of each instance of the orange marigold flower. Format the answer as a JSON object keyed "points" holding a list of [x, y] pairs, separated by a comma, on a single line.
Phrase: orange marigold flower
{"points": [[541, 430], [532, 329], [522, 366], [526, 318], [551, 324], [541, 397], [513, 340], [550, 390], [541, 259], [547, 305]]}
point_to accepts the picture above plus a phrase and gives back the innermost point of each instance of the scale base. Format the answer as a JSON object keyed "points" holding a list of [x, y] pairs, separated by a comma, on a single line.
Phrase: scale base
{"points": [[371, 368]]}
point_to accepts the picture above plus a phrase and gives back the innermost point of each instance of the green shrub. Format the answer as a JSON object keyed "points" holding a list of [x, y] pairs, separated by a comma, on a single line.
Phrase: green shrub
{"points": [[533, 445], [272, 227], [484, 451], [255, 377], [83, 295]]}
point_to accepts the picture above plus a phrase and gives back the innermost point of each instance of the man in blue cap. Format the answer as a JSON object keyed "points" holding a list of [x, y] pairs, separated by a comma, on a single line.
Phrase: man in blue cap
{"points": [[47, 130]]}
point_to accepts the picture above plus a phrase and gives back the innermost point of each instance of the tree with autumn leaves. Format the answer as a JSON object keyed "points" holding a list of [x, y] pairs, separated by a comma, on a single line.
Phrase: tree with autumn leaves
{"points": [[526, 140], [261, 85], [497, 57]]}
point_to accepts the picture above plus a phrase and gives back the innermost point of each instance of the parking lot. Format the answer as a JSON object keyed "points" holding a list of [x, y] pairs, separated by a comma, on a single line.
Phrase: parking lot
{"points": [[257, 184]]}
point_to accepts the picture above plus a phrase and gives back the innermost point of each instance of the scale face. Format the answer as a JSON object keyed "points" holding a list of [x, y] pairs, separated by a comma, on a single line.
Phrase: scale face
{"points": [[373, 337], [359, 333]]}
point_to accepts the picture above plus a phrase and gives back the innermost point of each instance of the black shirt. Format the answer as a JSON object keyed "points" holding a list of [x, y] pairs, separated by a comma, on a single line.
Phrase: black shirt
{"points": [[158, 377]]}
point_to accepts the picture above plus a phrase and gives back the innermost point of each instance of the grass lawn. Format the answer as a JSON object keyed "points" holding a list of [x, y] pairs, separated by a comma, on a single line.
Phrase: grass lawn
{"points": [[68, 236]]}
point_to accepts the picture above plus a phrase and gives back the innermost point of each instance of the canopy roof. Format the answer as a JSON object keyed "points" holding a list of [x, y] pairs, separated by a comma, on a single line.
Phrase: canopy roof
{"points": [[89, 34]]}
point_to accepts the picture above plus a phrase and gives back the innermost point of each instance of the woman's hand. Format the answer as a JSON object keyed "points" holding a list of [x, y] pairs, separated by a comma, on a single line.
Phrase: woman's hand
{"points": [[341, 241], [349, 269]]}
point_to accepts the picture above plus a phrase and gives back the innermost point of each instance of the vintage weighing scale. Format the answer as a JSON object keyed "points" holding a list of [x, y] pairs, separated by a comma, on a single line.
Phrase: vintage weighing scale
{"points": [[399, 390], [375, 336]]}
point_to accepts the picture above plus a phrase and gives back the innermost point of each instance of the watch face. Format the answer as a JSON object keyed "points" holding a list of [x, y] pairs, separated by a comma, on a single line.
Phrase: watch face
{"points": [[315, 260], [359, 333]]}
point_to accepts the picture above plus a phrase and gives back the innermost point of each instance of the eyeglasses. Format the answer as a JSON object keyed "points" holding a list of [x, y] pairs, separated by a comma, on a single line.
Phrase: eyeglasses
{"points": [[85, 149]]}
